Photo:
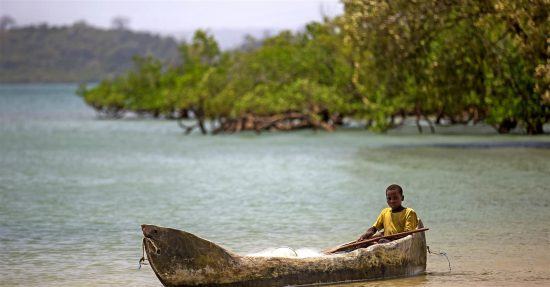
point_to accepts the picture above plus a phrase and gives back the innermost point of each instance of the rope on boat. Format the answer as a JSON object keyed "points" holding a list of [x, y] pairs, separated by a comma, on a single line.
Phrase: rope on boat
{"points": [[143, 253], [143, 258], [444, 254]]}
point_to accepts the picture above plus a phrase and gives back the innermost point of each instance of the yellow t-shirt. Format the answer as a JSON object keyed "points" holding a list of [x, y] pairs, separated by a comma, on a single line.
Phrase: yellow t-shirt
{"points": [[392, 223]]}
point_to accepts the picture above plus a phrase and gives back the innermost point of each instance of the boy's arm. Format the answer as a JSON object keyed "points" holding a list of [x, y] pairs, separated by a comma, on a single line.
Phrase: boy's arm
{"points": [[378, 225], [368, 234]]}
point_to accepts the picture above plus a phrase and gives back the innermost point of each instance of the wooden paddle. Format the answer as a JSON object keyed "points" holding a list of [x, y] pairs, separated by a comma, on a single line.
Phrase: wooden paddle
{"points": [[358, 244]]}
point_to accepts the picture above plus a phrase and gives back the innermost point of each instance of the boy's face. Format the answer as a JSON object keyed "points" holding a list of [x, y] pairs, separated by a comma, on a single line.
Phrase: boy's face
{"points": [[394, 198]]}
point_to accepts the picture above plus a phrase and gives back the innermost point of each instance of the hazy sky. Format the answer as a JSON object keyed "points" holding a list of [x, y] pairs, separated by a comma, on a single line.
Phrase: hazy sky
{"points": [[163, 15]]}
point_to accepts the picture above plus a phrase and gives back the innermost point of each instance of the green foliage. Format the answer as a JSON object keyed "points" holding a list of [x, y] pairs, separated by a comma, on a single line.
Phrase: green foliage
{"points": [[438, 61], [456, 60]]}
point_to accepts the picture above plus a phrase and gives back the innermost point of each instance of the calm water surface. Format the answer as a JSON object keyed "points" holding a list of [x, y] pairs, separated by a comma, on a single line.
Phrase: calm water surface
{"points": [[74, 190]]}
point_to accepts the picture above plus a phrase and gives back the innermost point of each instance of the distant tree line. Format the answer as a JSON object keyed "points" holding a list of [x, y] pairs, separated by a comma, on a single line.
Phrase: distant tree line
{"points": [[381, 62], [75, 53]]}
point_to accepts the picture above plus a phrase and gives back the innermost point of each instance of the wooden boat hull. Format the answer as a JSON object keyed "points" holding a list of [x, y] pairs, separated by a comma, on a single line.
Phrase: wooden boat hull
{"points": [[181, 259]]}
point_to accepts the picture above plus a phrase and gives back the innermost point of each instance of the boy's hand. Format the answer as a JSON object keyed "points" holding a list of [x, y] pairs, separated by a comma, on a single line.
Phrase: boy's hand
{"points": [[364, 237], [370, 232]]}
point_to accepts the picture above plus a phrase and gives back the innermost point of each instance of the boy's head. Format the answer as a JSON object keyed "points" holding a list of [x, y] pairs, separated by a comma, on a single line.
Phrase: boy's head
{"points": [[394, 196]]}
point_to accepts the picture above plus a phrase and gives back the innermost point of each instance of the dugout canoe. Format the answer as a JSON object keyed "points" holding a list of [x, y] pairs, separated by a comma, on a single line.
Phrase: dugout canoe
{"points": [[179, 258]]}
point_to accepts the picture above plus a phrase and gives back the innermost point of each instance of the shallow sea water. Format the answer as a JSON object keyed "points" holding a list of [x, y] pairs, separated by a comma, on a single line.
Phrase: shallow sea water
{"points": [[74, 190]]}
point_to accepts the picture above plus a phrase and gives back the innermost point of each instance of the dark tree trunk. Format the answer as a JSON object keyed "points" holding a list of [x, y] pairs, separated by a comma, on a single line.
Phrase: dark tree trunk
{"points": [[535, 128], [506, 126], [201, 125], [417, 113], [432, 128]]}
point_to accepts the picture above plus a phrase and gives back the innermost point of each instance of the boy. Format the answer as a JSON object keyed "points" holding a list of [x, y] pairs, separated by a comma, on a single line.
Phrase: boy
{"points": [[395, 218]]}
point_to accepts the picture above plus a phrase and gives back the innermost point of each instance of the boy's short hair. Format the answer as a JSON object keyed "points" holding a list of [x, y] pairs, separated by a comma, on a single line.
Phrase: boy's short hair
{"points": [[394, 187]]}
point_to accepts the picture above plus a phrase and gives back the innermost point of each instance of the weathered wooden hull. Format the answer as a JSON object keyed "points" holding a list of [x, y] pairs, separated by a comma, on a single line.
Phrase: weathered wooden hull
{"points": [[219, 267]]}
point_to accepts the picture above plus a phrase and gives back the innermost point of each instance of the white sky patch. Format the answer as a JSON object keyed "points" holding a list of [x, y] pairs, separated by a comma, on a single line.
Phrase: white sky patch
{"points": [[163, 15]]}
